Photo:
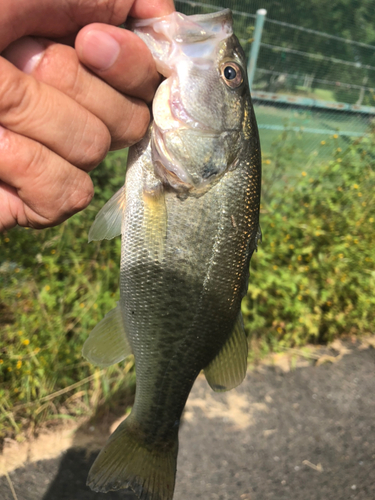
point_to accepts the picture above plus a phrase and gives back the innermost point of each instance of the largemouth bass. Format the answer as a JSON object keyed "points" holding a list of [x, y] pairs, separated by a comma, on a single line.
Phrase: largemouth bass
{"points": [[189, 218]]}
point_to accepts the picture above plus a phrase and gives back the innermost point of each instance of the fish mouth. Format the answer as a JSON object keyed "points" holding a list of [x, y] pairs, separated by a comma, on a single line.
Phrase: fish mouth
{"points": [[179, 116], [194, 28], [179, 113], [169, 112], [224, 15]]}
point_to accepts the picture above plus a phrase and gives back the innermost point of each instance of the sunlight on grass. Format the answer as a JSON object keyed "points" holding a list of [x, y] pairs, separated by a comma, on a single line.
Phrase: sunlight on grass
{"points": [[312, 279]]}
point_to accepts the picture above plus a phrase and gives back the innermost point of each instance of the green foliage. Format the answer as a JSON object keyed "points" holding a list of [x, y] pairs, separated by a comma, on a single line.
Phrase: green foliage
{"points": [[313, 278], [314, 275], [55, 287]]}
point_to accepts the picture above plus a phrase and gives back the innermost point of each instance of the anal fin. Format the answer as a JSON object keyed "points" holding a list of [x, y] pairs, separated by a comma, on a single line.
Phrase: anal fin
{"points": [[107, 343], [228, 369]]}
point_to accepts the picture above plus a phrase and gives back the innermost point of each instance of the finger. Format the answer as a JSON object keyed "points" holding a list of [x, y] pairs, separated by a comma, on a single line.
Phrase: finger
{"points": [[42, 113], [57, 65], [120, 58], [59, 18], [151, 8], [38, 188]]}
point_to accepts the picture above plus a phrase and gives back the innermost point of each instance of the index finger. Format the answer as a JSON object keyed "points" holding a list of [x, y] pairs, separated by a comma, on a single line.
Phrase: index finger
{"points": [[145, 9], [132, 71], [59, 18]]}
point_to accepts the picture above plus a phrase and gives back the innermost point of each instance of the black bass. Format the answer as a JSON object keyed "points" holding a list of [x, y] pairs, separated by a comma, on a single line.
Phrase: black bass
{"points": [[189, 219]]}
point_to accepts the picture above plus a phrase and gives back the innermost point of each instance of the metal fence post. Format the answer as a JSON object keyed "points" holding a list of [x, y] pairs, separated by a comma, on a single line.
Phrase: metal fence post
{"points": [[253, 56]]}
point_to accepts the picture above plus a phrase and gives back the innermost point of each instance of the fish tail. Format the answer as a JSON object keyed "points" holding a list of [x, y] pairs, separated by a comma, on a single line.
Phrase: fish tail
{"points": [[126, 462]]}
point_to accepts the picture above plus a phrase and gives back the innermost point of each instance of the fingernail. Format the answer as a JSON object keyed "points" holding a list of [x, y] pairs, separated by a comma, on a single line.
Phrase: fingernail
{"points": [[25, 53], [99, 50]]}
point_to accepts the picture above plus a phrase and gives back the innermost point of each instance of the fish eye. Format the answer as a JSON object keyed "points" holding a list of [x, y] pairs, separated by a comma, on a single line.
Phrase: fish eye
{"points": [[231, 74]]}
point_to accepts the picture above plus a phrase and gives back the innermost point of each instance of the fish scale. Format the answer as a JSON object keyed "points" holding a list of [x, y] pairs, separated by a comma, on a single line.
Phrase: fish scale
{"points": [[189, 219]]}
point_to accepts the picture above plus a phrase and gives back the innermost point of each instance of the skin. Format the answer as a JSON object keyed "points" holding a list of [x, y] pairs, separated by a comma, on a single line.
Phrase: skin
{"points": [[73, 86], [185, 254]]}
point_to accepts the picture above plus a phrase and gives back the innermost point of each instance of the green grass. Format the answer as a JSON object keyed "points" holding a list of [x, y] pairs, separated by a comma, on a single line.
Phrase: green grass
{"points": [[313, 278], [55, 287]]}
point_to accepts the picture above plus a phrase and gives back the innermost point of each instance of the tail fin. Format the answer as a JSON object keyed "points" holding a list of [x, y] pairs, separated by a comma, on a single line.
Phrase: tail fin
{"points": [[125, 462]]}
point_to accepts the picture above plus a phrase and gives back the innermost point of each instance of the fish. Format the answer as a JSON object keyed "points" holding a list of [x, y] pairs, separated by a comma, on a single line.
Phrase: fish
{"points": [[188, 215]]}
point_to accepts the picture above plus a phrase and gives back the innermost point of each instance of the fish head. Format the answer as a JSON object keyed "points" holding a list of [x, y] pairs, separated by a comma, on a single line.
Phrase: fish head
{"points": [[202, 110]]}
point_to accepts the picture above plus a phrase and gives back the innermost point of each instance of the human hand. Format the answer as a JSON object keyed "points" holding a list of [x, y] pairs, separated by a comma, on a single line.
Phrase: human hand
{"points": [[58, 119]]}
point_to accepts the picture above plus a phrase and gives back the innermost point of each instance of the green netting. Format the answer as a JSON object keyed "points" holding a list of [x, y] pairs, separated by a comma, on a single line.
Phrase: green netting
{"points": [[314, 58]]}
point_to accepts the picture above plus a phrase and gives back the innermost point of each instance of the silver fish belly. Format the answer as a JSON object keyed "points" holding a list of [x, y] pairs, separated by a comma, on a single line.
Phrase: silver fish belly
{"points": [[189, 219]]}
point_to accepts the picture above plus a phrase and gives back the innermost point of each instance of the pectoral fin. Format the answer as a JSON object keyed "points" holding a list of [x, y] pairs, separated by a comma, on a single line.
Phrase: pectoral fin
{"points": [[107, 344], [228, 369], [155, 222], [107, 223]]}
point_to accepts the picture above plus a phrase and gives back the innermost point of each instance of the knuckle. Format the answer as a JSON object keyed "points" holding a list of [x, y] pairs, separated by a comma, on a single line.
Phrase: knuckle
{"points": [[140, 124], [15, 95], [34, 161], [70, 201], [6, 144], [59, 67], [135, 126], [82, 196], [114, 9], [97, 146], [108, 11], [54, 210], [24, 102]]}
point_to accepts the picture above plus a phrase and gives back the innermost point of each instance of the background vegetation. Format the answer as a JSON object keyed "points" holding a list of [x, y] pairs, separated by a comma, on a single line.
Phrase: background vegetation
{"points": [[54, 288], [312, 279], [314, 275]]}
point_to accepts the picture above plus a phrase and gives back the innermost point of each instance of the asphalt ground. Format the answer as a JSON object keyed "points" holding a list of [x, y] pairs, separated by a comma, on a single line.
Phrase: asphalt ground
{"points": [[301, 434]]}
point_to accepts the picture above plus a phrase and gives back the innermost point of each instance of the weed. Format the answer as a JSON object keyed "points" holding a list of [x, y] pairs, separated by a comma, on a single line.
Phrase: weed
{"points": [[314, 275], [312, 279]]}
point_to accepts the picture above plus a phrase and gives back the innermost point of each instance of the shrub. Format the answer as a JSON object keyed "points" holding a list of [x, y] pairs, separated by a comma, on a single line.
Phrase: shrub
{"points": [[314, 275], [55, 287], [313, 278]]}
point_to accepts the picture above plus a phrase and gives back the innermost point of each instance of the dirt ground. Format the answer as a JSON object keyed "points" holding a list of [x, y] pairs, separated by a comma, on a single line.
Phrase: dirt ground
{"points": [[304, 433]]}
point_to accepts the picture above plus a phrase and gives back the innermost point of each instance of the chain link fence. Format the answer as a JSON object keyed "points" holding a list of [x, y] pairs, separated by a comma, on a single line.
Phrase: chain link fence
{"points": [[311, 89]]}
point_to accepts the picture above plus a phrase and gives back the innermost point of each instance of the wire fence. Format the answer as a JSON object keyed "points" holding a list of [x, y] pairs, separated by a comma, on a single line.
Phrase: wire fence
{"points": [[308, 86]]}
